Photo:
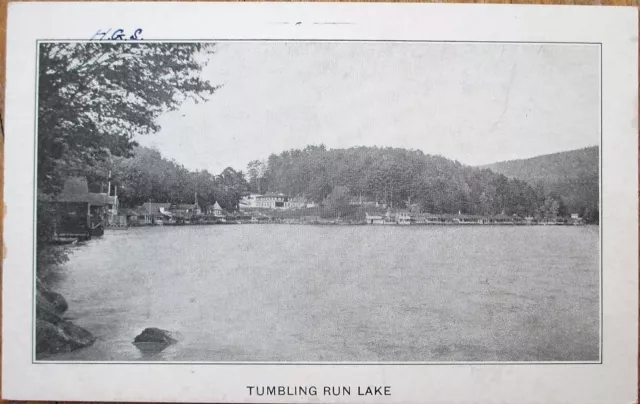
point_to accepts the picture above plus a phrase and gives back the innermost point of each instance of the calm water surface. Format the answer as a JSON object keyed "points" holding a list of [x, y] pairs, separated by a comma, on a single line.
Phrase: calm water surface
{"points": [[339, 293]]}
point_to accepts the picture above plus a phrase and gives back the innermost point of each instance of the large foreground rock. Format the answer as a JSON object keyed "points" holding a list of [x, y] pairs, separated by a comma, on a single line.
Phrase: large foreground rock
{"points": [[155, 336], [60, 337], [53, 333], [55, 301], [152, 341]]}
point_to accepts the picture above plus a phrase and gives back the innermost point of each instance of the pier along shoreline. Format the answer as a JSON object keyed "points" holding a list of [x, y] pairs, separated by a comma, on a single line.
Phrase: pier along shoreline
{"points": [[451, 220]]}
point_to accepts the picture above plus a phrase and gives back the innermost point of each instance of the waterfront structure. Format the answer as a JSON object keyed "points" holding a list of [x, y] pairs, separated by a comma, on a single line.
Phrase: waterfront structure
{"points": [[185, 209], [153, 213], [113, 219], [468, 219], [111, 203], [217, 210], [131, 217], [273, 200], [576, 219], [388, 219], [503, 219], [427, 218], [403, 218], [374, 219], [78, 212]]}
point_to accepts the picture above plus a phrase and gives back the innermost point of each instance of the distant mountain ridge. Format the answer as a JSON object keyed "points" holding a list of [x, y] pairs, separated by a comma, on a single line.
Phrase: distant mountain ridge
{"points": [[573, 176]]}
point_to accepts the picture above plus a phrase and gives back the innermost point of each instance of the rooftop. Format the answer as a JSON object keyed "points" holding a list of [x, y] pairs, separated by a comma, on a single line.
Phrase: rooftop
{"points": [[184, 206], [272, 195], [75, 189], [152, 207]]}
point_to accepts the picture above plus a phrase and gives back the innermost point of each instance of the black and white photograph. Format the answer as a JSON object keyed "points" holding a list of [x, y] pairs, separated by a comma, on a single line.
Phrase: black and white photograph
{"points": [[318, 201]]}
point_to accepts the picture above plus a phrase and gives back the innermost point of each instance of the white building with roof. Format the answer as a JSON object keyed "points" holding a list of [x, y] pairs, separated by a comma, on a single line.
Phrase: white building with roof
{"points": [[273, 200]]}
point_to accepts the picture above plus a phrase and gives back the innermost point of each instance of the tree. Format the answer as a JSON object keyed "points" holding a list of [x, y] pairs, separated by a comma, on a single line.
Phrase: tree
{"points": [[231, 186], [95, 97], [551, 208], [591, 215], [339, 197], [484, 204], [255, 173], [399, 177]]}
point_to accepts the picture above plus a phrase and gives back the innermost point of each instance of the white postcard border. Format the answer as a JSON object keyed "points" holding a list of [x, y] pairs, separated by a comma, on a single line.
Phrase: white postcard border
{"points": [[615, 28]]}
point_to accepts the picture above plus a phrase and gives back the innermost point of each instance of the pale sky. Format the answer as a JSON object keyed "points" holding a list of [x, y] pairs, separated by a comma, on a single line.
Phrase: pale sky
{"points": [[475, 103]]}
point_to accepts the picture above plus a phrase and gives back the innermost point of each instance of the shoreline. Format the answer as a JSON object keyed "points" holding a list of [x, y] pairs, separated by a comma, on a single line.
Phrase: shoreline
{"points": [[338, 223], [54, 333]]}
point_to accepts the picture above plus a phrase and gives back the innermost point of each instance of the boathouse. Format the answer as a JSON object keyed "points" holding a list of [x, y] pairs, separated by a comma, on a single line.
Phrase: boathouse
{"points": [[76, 211], [185, 209], [153, 213]]}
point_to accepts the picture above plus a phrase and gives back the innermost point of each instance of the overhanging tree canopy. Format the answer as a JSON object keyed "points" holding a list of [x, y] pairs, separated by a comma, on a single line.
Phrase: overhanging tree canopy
{"points": [[95, 97]]}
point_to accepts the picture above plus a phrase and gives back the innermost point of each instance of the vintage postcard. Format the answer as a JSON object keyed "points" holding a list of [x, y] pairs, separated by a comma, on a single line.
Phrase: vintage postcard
{"points": [[321, 203]]}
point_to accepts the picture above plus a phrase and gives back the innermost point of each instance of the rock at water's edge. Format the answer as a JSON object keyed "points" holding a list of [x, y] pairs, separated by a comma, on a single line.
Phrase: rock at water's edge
{"points": [[55, 301], [155, 335], [60, 337], [53, 333]]}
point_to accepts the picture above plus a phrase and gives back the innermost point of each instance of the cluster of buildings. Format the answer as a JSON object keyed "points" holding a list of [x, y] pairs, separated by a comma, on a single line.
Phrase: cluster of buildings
{"points": [[280, 201], [150, 213], [80, 214], [403, 217], [274, 200]]}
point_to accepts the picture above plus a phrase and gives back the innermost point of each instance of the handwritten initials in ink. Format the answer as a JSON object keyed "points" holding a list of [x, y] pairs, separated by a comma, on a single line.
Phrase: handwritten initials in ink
{"points": [[118, 34]]}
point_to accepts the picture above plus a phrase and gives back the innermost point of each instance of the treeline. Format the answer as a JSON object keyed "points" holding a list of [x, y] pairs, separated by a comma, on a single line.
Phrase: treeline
{"points": [[147, 176], [335, 178], [400, 178], [571, 176]]}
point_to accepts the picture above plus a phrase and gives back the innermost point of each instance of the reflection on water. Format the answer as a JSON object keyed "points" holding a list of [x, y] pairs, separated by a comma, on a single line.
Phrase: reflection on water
{"points": [[150, 351], [339, 293]]}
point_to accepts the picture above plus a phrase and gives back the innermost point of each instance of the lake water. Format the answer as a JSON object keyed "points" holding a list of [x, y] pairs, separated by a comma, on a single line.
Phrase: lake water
{"points": [[339, 293]]}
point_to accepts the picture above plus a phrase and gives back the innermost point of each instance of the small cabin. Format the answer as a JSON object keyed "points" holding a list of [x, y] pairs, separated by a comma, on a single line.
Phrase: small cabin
{"points": [[216, 210], [153, 213]]}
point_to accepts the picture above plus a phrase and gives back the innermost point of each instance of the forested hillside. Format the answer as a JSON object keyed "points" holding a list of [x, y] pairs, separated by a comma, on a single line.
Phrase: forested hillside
{"points": [[398, 177], [571, 176], [393, 177]]}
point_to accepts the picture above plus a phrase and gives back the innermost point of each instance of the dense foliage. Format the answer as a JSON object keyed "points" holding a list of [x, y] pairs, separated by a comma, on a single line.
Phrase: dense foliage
{"points": [[571, 177], [401, 178], [93, 98], [149, 177], [334, 179]]}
